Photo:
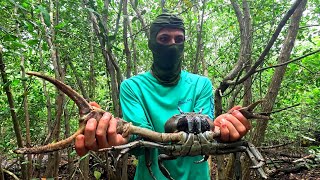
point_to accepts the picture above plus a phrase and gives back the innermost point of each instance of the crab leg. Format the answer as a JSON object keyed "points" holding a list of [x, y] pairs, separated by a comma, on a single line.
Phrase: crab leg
{"points": [[257, 165]]}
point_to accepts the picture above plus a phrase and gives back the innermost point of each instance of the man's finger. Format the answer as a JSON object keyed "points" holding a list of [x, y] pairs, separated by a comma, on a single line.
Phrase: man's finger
{"points": [[112, 132], [101, 133], [237, 125], [115, 139], [90, 134], [120, 140], [242, 119], [233, 132], [234, 108], [224, 131], [79, 145]]}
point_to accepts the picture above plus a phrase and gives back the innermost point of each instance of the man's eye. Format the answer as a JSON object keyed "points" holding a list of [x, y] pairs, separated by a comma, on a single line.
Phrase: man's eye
{"points": [[179, 39], [164, 39]]}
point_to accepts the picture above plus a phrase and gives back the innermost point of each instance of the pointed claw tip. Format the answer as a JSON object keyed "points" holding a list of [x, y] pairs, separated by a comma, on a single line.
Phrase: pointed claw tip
{"points": [[255, 104], [82, 104]]}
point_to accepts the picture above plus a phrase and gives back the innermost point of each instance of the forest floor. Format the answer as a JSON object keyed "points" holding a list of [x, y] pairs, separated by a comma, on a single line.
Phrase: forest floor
{"points": [[282, 163], [289, 163], [293, 163], [313, 174]]}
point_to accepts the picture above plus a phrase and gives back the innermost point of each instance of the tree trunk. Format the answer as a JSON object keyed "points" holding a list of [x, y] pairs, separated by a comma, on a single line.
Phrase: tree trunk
{"points": [[233, 77], [25, 100], [143, 23], [204, 63], [15, 120], [67, 134], [199, 39], [134, 51], [54, 158], [45, 92], [1, 170], [78, 79], [247, 37], [118, 18], [92, 79], [49, 128], [27, 117], [125, 38]]}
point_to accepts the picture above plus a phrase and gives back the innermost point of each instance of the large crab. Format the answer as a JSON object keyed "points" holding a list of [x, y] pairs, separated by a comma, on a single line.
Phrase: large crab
{"points": [[186, 134], [197, 139]]}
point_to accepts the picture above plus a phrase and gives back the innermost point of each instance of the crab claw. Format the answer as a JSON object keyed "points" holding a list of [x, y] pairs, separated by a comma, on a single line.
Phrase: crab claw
{"points": [[83, 105], [249, 114], [84, 109], [254, 105]]}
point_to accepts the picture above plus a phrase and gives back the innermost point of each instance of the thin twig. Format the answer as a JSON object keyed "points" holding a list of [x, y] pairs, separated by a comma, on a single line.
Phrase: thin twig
{"points": [[288, 62], [286, 108], [276, 146], [11, 174]]}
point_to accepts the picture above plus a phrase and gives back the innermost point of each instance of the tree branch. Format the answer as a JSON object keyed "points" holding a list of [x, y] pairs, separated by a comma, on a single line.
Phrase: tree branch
{"points": [[288, 62]]}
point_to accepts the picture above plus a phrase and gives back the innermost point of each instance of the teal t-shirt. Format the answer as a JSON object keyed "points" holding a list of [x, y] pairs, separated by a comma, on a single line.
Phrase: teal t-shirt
{"points": [[146, 103]]}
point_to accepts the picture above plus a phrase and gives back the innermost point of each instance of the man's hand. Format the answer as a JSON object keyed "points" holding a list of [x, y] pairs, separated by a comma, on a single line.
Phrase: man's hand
{"points": [[233, 125], [99, 134]]}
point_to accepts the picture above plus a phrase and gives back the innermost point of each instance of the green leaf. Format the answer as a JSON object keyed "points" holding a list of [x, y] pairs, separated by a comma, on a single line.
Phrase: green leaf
{"points": [[117, 49], [15, 82], [97, 174], [18, 5], [83, 157], [32, 42], [29, 25], [73, 153], [45, 14], [45, 47], [9, 37], [25, 162], [60, 25], [17, 44], [91, 10], [111, 38], [134, 19], [25, 5], [143, 12], [136, 3]]}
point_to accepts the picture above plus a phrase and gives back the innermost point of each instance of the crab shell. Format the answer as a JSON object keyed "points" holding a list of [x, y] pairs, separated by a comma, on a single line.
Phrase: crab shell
{"points": [[189, 122]]}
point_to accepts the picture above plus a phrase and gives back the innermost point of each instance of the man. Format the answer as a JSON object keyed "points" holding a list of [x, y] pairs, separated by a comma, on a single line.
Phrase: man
{"points": [[150, 99]]}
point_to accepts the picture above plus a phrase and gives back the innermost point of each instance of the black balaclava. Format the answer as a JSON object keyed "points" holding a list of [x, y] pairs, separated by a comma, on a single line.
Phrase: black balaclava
{"points": [[166, 67]]}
